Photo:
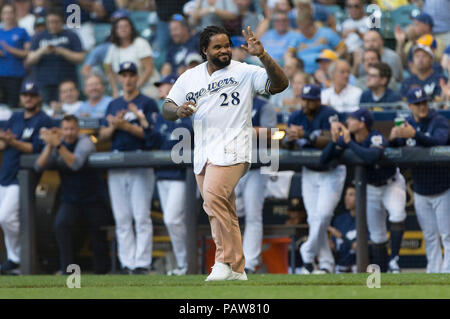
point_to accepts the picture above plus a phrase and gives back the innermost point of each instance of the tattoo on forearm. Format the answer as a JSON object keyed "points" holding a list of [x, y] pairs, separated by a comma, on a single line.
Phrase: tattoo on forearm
{"points": [[278, 79], [169, 110]]}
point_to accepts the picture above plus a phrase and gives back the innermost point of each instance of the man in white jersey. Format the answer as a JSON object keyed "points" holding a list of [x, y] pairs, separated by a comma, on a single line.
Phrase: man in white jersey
{"points": [[219, 94]]}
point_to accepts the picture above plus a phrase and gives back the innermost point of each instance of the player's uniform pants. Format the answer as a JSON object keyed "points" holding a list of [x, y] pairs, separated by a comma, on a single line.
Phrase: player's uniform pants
{"points": [[9, 220], [216, 184], [251, 189], [172, 195], [391, 197], [321, 192], [433, 214], [131, 192]]}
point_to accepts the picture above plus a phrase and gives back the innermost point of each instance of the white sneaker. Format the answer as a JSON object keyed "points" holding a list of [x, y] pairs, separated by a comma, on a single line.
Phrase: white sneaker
{"points": [[177, 272], [238, 276], [220, 271], [393, 265]]}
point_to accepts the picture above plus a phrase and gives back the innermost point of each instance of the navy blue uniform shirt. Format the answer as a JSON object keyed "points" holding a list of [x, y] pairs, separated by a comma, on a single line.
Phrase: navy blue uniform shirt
{"points": [[345, 223], [124, 141], [431, 131], [370, 151], [430, 85], [26, 130], [164, 130], [52, 69]]}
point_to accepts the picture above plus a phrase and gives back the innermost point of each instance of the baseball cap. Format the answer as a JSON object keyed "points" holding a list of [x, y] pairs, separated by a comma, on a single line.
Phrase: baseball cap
{"points": [[127, 66], [120, 13], [424, 18], [327, 55], [425, 48], [193, 57], [311, 92], [237, 41], [416, 95], [169, 79], [39, 21], [428, 40], [180, 18], [363, 115], [29, 87]]}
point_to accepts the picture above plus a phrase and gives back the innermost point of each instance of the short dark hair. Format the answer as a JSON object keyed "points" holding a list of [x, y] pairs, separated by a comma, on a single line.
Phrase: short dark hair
{"points": [[55, 12], [384, 70], [113, 36], [68, 81], [207, 33], [374, 51], [69, 118]]}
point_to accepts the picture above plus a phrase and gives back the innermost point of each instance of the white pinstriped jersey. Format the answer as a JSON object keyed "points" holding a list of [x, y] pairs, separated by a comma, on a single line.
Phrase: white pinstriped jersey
{"points": [[223, 121]]}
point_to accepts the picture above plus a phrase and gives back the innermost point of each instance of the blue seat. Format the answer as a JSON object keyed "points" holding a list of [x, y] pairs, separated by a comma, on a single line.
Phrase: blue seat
{"points": [[101, 32], [140, 20]]}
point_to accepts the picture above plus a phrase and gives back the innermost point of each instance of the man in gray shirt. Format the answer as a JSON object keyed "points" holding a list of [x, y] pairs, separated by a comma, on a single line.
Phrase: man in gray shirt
{"points": [[83, 191]]}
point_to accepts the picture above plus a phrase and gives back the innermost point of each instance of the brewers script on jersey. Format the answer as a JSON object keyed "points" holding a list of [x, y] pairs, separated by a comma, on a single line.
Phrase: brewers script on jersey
{"points": [[223, 121]]}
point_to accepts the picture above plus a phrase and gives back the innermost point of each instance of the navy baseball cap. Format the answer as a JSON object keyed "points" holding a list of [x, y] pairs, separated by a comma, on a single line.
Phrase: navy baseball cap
{"points": [[127, 66], [120, 13], [424, 18], [416, 95], [363, 115], [169, 79], [311, 92], [29, 87]]}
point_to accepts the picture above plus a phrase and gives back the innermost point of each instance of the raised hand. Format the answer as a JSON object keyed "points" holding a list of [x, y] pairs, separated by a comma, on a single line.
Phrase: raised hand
{"points": [[254, 46]]}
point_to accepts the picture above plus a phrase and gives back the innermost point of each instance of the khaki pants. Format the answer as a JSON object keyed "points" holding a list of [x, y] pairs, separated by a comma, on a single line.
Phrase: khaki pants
{"points": [[216, 184]]}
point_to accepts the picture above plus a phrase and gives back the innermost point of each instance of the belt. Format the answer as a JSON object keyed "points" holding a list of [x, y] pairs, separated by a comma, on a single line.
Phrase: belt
{"points": [[384, 182]]}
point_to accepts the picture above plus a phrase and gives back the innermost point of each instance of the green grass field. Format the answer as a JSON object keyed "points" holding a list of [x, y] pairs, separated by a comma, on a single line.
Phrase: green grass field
{"points": [[405, 285]]}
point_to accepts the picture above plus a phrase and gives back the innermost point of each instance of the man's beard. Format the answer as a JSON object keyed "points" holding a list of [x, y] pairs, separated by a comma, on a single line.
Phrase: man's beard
{"points": [[220, 63]]}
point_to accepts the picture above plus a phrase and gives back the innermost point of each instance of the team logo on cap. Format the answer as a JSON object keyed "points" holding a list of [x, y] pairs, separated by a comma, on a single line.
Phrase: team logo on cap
{"points": [[418, 94], [28, 86], [126, 65], [306, 89]]}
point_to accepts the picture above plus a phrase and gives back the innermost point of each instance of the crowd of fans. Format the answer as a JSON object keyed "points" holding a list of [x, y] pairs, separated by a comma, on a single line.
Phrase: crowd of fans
{"points": [[352, 55]]}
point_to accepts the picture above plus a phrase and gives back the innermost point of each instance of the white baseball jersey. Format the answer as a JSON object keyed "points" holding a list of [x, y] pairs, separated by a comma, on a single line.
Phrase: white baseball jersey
{"points": [[223, 120]]}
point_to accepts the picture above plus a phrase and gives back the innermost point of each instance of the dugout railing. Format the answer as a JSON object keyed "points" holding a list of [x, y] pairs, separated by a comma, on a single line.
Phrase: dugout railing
{"points": [[288, 160]]}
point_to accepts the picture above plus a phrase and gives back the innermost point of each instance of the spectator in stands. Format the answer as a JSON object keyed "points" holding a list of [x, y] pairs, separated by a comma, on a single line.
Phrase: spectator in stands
{"points": [[25, 18], [422, 25], [55, 54], [277, 40], [373, 40], [40, 7], [239, 54], [294, 101], [319, 12], [341, 95], [312, 40], [91, 12], [192, 60], [20, 136], [429, 41], [370, 57], [292, 66], [83, 192], [214, 12], [69, 102], [378, 77], [424, 75], [127, 46], [39, 25], [355, 26], [439, 9], [97, 102], [164, 87], [14, 47], [325, 58], [182, 44], [343, 235], [165, 11]]}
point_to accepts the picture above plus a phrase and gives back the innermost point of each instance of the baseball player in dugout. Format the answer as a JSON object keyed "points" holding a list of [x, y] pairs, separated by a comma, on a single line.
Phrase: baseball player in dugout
{"points": [[385, 185], [321, 186], [20, 136], [127, 122], [425, 127], [218, 95]]}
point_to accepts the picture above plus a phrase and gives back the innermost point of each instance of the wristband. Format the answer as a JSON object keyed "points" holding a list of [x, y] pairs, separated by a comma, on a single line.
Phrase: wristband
{"points": [[262, 54]]}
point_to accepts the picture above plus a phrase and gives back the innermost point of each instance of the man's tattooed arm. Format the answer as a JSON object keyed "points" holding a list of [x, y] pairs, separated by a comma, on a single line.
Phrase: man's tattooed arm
{"points": [[278, 80]]}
